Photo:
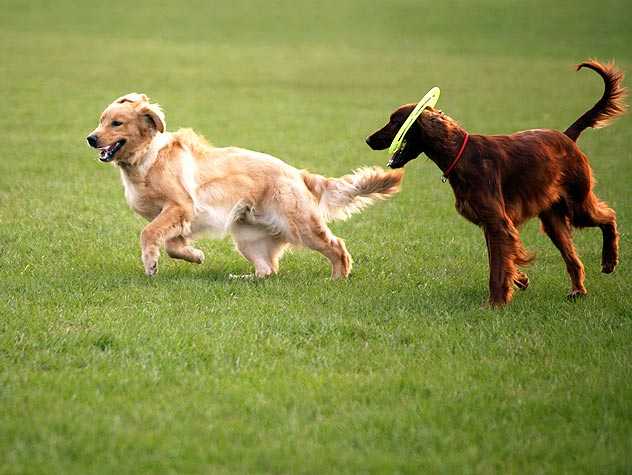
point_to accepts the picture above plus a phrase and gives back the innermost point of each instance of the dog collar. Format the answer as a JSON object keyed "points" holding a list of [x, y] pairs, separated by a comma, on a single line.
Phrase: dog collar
{"points": [[429, 100], [444, 178]]}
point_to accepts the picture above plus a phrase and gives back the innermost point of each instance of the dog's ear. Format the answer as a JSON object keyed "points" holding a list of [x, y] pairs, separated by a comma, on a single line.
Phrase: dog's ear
{"points": [[141, 103], [132, 97], [154, 113]]}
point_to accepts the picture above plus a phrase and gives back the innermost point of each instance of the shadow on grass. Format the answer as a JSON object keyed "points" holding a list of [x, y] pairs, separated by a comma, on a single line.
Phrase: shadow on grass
{"points": [[444, 295]]}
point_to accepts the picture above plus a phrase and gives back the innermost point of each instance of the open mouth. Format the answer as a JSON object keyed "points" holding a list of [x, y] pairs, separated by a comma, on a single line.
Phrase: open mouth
{"points": [[106, 154]]}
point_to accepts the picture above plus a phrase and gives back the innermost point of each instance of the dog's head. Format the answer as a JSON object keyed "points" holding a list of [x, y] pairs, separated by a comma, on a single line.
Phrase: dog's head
{"points": [[428, 128], [125, 127]]}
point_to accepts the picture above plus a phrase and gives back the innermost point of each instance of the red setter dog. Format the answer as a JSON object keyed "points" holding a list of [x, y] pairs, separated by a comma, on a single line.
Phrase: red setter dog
{"points": [[500, 181]]}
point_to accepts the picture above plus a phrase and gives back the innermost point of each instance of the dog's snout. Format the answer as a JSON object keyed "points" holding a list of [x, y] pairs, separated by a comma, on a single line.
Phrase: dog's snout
{"points": [[92, 140], [376, 143]]}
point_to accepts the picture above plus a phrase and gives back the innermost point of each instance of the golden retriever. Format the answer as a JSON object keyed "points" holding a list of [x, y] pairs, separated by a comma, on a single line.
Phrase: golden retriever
{"points": [[185, 186]]}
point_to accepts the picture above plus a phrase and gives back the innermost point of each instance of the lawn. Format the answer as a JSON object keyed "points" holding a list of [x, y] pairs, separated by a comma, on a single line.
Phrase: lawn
{"points": [[397, 370]]}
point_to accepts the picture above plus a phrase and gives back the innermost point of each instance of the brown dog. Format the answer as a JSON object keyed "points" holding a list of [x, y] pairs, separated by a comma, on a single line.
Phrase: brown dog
{"points": [[501, 181], [184, 186]]}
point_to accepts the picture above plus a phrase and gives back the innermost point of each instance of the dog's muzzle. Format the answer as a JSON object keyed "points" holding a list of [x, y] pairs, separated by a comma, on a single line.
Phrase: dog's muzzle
{"points": [[397, 160], [106, 154], [92, 140]]}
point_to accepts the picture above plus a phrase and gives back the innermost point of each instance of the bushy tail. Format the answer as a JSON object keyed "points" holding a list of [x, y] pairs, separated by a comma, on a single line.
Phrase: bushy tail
{"points": [[609, 107], [339, 198]]}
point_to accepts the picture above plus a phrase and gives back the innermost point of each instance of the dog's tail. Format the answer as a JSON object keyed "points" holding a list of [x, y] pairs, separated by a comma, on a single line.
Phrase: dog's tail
{"points": [[339, 198], [609, 107]]}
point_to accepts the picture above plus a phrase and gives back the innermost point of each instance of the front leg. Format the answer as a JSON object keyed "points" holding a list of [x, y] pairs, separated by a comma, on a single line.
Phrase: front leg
{"points": [[502, 249], [520, 280], [170, 223], [499, 291]]}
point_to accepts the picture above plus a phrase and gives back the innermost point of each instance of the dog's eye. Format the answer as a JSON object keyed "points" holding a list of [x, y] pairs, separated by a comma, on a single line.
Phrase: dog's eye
{"points": [[116, 123]]}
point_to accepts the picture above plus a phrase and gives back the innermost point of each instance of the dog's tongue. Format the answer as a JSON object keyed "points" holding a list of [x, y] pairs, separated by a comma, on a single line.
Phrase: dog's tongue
{"points": [[104, 153]]}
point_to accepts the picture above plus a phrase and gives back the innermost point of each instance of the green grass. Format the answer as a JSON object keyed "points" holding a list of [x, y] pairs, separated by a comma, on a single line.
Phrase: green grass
{"points": [[397, 370]]}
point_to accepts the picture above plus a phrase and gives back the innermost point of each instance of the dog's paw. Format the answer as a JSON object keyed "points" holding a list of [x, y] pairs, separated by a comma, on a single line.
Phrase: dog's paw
{"points": [[608, 267], [262, 273], [151, 269], [150, 258], [493, 305], [150, 261], [197, 256], [576, 294]]}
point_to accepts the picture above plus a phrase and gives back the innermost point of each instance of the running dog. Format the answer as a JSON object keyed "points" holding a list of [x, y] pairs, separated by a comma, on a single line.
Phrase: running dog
{"points": [[185, 186]]}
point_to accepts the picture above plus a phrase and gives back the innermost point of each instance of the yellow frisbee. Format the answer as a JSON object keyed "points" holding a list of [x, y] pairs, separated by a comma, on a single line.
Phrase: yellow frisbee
{"points": [[429, 100]]}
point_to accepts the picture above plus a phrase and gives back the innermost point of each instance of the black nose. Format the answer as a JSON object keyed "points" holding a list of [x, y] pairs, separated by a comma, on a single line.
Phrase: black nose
{"points": [[92, 140], [374, 144]]}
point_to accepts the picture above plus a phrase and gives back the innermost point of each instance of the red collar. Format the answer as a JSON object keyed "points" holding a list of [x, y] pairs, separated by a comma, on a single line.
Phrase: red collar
{"points": [[456, 160]]}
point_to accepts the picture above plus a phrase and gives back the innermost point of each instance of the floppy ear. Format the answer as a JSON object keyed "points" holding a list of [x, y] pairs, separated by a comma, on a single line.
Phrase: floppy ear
{"points": [[154, 113]]}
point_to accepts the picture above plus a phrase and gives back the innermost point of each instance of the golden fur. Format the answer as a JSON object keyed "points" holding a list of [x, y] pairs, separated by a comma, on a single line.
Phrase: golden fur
{"points": [[185, 186]]}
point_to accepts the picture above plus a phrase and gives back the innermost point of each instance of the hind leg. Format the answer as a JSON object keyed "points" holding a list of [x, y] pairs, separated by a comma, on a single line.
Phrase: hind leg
{"points": [[555, 224], [317, 236], [592, 213], [264, 253]]}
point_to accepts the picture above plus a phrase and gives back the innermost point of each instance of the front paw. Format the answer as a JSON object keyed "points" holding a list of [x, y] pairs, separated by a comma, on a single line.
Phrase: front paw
{"points": [[608, 266], [150, 261], [493, 305], [576, 294], [151, 269]]}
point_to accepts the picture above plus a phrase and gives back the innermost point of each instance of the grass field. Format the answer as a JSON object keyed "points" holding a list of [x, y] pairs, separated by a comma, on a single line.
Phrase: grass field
{"points": [[398, 369]]}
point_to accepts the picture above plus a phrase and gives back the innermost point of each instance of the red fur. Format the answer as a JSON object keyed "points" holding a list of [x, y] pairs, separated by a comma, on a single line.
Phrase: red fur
{"points": [[503, 180]]}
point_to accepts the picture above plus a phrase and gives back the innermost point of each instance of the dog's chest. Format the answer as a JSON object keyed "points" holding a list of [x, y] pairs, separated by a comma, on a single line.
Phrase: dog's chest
{"points": [[465, 209], [140, 199]]}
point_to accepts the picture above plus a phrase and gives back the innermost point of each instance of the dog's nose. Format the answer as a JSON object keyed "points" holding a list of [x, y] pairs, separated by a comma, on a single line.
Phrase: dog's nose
{"points": [[372, 143], [92, 140]]}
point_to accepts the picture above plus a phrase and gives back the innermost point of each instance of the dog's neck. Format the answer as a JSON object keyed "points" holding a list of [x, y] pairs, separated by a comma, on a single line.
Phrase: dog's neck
{"points": [[443, 138], [142, 160]]}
